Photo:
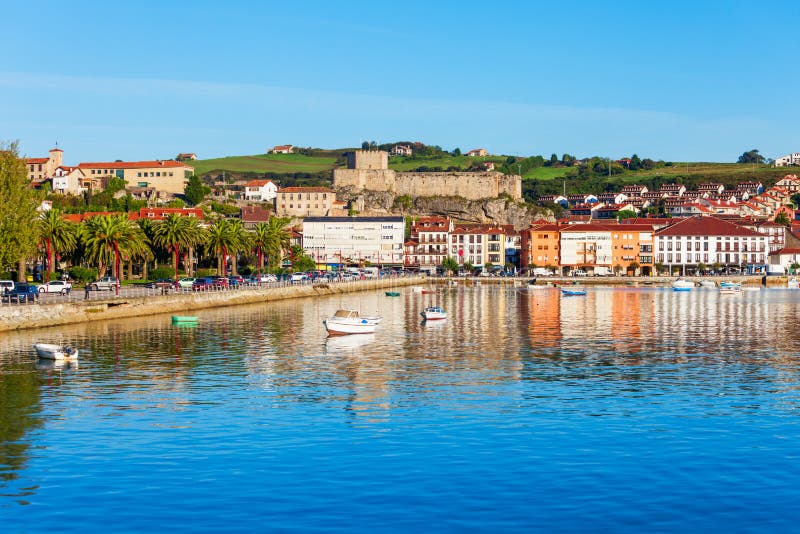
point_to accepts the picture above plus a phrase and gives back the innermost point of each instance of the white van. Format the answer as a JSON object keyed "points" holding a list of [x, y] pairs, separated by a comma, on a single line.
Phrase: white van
{"points": [[371, 272], [6, 285], [602, 271], [541, 271]]}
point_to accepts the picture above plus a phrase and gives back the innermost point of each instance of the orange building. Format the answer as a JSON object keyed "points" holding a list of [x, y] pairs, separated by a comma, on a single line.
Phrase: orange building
{"points": [[540, 246]]}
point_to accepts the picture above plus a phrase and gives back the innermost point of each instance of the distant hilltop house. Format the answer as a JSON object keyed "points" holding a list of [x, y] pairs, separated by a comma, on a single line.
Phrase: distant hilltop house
{"points": [[477, 152], [282, 149], [401, 150], [186, 156], [788, 160]]}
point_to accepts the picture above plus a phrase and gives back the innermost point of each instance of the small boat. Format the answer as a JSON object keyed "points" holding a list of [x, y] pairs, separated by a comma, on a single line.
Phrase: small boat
{"points": [[55, 352], [392, 293], [730, 284], [751, 288], [433, 313], [184, 319], [793, 283], [708, 283], [346, 322], [429, 292], [573, 292], [682, 284], [416, 289]]}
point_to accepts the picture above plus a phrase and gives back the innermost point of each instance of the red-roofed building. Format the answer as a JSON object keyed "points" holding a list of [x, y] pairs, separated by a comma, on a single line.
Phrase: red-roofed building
{"points": [[166, 176], [159, 214], [304, 201], [607, 248], [252, 215], [786, 258], [186, 156], [481, 244], [710, 240], [283, 149], [260, 190], [431, 235], [476, 152], [40, 169]]}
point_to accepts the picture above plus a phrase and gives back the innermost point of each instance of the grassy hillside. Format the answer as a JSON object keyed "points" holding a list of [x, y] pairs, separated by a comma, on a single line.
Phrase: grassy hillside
{"points": [[269, 163], [400, 163]]}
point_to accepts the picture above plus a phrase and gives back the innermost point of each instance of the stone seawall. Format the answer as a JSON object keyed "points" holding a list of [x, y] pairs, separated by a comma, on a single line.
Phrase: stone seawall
{"points": [[18, 317]]}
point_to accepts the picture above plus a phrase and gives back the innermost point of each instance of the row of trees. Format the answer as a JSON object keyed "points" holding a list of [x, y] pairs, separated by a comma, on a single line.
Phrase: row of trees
{"points": [[105, 241]]}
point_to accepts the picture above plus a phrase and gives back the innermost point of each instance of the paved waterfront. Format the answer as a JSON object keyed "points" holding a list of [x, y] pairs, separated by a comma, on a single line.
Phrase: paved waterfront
{"points": [[629, 409]]}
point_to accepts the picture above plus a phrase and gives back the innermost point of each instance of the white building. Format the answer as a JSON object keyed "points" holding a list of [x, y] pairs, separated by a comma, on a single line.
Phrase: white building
{"points": [[709, 240], [788, 160], [334, 240], [261, 190], [583, 245]]}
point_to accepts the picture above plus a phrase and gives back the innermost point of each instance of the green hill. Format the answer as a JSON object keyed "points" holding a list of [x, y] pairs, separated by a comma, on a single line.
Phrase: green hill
{"points": [[315, 161]]}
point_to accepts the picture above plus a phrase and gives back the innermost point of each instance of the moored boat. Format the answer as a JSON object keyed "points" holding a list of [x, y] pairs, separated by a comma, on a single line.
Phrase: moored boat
{"points": [[682, 284], [573, 292], [48, 351], [184, 319], [708, 283], [345, 322], [392, 293], [433, 313], [793, 283], [730, 290]]}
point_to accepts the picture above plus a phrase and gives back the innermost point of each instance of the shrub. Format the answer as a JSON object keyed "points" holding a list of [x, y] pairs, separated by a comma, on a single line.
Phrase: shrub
{"points": [[7, 275], [205, 272], [82, 274], [161, 272]]}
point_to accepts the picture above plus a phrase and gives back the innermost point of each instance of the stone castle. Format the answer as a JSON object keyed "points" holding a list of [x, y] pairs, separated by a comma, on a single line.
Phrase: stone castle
{"points": [[369, 170]]}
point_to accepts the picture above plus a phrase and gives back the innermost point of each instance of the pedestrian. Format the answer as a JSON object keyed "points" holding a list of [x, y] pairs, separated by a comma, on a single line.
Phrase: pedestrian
{"points": [[86, 292]]}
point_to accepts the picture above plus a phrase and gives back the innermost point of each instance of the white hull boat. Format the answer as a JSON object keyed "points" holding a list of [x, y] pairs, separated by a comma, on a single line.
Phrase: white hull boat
{"points": [[708, 283], [731, 290], [682, 284], [48, 351], [434, 313], [793, 283], [346, 322]]}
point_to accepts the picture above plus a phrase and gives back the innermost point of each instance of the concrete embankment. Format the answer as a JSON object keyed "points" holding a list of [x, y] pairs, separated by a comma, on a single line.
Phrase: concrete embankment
{"points": [[17, 317]]}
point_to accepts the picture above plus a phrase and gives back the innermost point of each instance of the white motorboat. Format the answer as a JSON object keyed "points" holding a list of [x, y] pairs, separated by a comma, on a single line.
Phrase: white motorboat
{"points": [[682, 284], [55, 352], [708, 283], [346, 322], [793, 283], [433, 313], [730, 290]]}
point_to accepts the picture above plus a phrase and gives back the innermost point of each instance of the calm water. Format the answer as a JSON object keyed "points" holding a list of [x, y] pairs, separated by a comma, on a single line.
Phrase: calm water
{"points": [[625, 410]]}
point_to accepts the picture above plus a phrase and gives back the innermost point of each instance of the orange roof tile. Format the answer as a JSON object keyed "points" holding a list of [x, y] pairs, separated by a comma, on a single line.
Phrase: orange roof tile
{"points": [[132, 164]]}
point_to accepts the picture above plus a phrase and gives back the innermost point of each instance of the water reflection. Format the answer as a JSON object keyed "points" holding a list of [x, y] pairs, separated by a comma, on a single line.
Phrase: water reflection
{"points": [[499, 346]]}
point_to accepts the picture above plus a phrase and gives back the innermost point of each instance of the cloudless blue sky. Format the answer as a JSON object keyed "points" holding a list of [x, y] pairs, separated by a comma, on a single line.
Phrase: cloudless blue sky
{"points": [[148, 79]]}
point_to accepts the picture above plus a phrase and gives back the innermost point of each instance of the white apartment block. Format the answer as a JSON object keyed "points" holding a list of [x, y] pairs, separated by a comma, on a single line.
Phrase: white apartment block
{"points": [[334, 240], [788, 160]]}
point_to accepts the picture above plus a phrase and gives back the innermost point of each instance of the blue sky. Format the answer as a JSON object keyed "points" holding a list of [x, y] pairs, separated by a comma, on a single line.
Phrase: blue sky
{"points": [[698, 81]]}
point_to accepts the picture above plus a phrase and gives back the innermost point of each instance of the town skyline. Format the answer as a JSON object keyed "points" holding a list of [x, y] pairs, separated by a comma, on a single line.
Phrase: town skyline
{"points": [[669, 82]]}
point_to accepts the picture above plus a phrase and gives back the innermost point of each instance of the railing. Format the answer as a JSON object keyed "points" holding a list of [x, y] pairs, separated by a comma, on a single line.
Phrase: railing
{"points": [[139, 291]]}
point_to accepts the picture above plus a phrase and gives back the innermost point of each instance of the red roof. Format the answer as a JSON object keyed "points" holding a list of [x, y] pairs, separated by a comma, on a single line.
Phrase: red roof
{"points": [[56, 150], [786, 250], [163, 213], [305, 190], [37, 160], [258, 183], [703, 225], [255, 214], [133, 164], [282, 147]]}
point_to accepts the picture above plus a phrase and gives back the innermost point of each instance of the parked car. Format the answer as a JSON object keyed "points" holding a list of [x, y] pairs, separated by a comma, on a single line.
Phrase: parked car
{"points": [[203, 284], [22, 293], [160, 283], [220, 281], [236, 281], [578, 272], [186, 283], [267, 278], [298, 277], [109, 283], [56, 286], [6, 285]]}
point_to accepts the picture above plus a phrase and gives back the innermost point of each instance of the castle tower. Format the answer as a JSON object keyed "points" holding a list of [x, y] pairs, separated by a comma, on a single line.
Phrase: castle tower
{"points": [[368, 160], [54, 161]]}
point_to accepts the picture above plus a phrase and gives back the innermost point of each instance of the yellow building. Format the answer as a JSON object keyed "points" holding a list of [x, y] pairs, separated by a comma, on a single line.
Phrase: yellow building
{"points": [[166, 176], [540, 246], [304, 201]]}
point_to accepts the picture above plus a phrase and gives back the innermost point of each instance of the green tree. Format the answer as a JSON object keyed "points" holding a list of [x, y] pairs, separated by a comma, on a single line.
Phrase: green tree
{"points": [[260, 242], [220, 240], [553, 159], [278, 239], [635, 164], [783, 219], [172, 233], [18, 203], [58, 236], [108, 238], [751, 156], [456, 151], [450, 264], [365, 145], [241, 241], [796, 200], [634, 267], [300, 260], [195, 191], [468, 267]]}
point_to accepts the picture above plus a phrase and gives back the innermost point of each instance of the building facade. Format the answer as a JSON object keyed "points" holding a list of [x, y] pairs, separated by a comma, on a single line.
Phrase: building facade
{"points": [[166, 176], [260, 190], [40, 169], [304, 201], [333, 241]]}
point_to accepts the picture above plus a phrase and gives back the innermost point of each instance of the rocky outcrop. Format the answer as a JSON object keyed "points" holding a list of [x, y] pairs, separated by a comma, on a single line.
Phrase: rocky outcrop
{"points": [[501, 210]]}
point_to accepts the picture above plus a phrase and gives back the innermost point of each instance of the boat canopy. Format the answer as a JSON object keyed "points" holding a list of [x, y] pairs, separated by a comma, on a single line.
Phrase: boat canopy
{"points": [[350, 314]]}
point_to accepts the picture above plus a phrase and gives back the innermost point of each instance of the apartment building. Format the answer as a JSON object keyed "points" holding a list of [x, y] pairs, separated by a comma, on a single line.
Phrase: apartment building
{"points": [[304, 201], [167, 176], [333, 241], [260, 190]]}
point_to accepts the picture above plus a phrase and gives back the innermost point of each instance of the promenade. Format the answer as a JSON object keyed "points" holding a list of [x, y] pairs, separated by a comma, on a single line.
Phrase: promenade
{"points": [[54, 310]]}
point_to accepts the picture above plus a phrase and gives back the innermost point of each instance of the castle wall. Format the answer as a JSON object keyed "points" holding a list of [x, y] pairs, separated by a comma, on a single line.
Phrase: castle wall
{"points": [[469, 185], [368, 159]]}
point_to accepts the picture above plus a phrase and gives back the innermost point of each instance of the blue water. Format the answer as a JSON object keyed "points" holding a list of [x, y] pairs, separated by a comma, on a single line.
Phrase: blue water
{"points": [[625, 410]]}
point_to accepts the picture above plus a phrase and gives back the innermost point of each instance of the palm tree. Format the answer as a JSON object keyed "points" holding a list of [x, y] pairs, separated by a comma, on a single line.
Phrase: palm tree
{"points": [[172, 233], [260, 242], [196, 236], [278, 240], [220, 240], [57, 235], [241, 240], [108, 237]]}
